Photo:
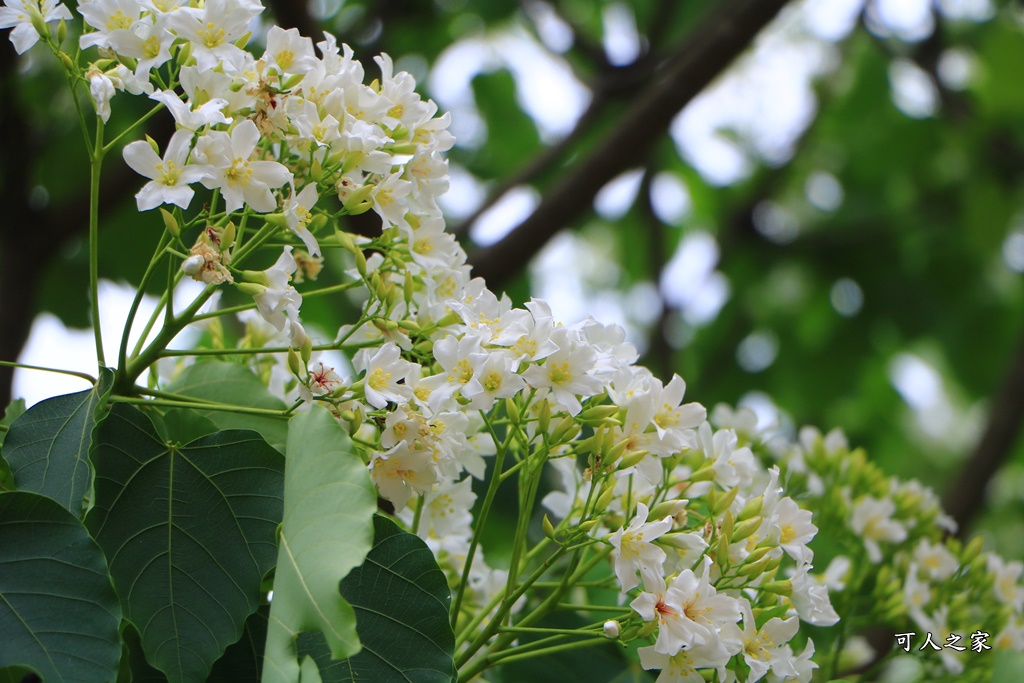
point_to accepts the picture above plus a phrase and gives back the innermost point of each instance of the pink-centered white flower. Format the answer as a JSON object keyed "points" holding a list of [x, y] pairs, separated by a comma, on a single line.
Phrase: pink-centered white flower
{"points": [[689, 612], [635, 551], [170, 177], [240, 179], [18, 14]]}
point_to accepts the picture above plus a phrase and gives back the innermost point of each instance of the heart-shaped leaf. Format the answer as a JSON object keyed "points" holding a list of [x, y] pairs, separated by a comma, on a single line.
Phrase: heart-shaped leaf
{"points": [[401, 599], [58, 611], [189, 532], [47, 447], [327, 531]]}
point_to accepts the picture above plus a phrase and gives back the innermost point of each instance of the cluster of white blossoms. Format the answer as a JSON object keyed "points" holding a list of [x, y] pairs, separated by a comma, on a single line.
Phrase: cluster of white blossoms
{"points": [[712, 558], [899, 558]]}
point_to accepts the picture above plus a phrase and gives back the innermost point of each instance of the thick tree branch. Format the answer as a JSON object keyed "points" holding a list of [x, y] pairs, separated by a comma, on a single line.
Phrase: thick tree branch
{"points": [[723, 36], [966, 495]]}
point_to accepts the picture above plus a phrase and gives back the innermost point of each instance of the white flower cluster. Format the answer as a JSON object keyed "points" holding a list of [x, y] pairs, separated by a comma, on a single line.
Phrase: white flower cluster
{"points": [[902, 561], [270, 135]]}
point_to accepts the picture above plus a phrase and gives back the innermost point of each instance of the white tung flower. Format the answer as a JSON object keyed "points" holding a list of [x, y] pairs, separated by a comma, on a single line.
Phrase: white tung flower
{"points": [[17, 14], [635, 552], [385, 374], [169, 177], [240, 180], [872, 519]]}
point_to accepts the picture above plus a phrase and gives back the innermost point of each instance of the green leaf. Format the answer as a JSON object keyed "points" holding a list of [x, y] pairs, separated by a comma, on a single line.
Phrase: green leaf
{"points": [[327, 531], [233, 384], [58, 611], [182, 425], [189, 532], [243, 661], [400, 595], [13, 412], [48, 446]]}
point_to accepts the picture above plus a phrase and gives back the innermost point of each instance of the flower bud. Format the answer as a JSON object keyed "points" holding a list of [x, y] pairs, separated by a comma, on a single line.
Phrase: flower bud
{"points": [[251, 288], [193, 264], [595, 416], [544, 417], [668, 508], [170, 222], [744, 529], [562, 428], [724, 501], [784, 587], [549, 528], [513, 410], [612, 629], [752, 508], [633, 459], [257, 276], [62, 31], [295, 365], [243, 40]]}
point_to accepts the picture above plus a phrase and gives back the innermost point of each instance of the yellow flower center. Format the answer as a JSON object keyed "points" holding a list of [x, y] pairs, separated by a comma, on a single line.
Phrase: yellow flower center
{"points": [[211, 35], [285, 59], [239, 172], [379, 379], [492, 382], [560, 373], [118, 20], [168, 173]]}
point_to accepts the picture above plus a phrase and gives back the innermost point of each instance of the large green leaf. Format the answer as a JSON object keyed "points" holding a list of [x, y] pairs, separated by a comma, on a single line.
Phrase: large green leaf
{"points": [[401, 599], [47, 447], [58, 610], [236, 385], [327, 531], [189, 531]]}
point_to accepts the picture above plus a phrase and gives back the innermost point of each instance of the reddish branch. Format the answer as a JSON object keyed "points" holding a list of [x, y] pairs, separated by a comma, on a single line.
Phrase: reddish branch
{"points": [[723, 36]]}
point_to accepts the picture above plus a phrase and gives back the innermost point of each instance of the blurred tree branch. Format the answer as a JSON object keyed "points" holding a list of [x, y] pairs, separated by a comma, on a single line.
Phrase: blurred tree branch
{"points": [[723, 36]]}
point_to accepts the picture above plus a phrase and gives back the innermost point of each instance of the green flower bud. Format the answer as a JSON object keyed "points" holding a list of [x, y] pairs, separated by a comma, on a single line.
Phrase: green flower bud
{"points": [[752, 508], [170, 222]]}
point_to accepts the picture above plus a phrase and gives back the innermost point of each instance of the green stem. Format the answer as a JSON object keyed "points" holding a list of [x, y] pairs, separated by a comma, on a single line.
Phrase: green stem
{"points": [[95, 168], [126, 381], [485, 509], [87, 377], [506, 657], [145, 117], [219, 407], [122, 355]]}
